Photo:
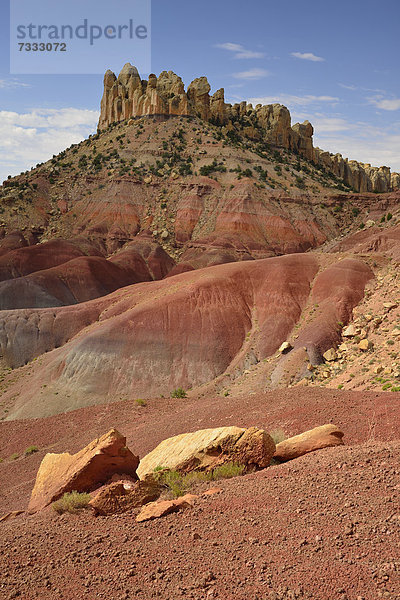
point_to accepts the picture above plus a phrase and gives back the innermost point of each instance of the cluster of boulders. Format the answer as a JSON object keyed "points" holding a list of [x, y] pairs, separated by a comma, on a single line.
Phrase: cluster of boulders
{"points": [[128, 96], [118, 482], [368, 335]]}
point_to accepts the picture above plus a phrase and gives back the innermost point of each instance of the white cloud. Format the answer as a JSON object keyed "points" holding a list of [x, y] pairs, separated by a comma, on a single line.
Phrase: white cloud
{"points": [[291, 100], [359, 141], [308, 56], [330, 124], [30, 138], [251, 74], [348, 87], [385, 103], [240, 51], [12, 83]]}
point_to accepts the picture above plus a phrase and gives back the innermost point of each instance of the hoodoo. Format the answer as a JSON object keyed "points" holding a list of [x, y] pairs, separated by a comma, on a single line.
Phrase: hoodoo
{"points": [[128, 96]]}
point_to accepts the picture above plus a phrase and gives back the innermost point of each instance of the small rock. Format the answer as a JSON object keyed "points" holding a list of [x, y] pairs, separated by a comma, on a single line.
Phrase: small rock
{"points": [[212, 491], [285, 347], [154, 510], [389, 305], [365, 345], [349, 331], [330, 355]]}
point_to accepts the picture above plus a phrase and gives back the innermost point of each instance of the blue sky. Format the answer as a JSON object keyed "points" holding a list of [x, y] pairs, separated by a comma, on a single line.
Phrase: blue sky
{"points": [[335, 64]]}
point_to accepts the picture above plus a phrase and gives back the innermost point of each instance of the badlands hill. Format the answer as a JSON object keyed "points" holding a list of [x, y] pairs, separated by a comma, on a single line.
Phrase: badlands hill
{"points": [[182, 245]]}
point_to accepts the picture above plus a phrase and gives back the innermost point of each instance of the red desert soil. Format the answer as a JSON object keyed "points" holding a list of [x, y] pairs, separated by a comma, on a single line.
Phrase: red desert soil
{"points": [[322, 527]]}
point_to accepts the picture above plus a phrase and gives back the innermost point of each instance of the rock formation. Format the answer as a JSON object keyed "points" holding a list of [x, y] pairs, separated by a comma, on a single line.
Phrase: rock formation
{"points": [[128, 96], [207, 448], [154, 510], [120, 496], [324, 436], [81, 472]]}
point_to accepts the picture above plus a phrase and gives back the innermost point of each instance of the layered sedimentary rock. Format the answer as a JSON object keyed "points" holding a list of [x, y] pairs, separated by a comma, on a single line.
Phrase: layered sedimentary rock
{"points": [[185, 331], [128, 96], [83, 471], [206, 449]]}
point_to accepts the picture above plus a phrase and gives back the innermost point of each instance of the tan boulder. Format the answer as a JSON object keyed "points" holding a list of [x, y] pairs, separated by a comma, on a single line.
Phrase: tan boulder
{"points": [[365, 345], [389, 305], [285, 347], [324, 436], [207, 448], [120, 496], [83, 471], [330, 355], [154, 510], [350, 331]]}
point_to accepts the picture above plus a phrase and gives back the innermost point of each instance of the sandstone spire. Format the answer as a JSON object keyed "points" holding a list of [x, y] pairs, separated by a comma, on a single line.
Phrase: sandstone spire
{"points": [[128, 96]]}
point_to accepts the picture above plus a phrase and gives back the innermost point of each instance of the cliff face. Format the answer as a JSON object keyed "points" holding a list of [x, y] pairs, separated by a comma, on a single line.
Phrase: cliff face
{"points": [[128, 96]]}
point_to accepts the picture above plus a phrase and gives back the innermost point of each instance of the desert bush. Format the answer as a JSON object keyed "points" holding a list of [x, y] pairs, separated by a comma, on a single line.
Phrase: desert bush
{"points": [[178, 484], [178, 393], [227, 471], [71, 502], [278, 435], [14, 456], [140, 402], [31, 450]]}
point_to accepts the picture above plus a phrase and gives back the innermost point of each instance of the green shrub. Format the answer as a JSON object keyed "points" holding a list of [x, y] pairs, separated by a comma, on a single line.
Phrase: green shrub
{"points": [[178, 393], [178, 484], [71, 502], [227, 471], [14, 456], [140, 402], [31, 450]]}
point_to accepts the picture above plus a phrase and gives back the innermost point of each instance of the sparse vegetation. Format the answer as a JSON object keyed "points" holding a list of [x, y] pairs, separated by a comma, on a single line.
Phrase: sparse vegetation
{"points": [[31, 450], [140, 402], [71, 502], [179, 393], [179, 484], [278, 435]]}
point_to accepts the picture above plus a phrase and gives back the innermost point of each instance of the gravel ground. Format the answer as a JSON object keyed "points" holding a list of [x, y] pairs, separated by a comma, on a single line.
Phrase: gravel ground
{"points": [[322, 527]]}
